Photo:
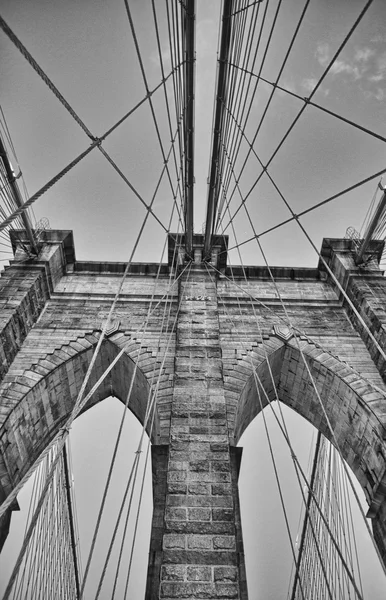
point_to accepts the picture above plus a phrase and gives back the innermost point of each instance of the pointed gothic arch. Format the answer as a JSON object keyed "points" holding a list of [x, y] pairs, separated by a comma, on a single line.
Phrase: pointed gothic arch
{"points": [[350, 401], [44, 403]]}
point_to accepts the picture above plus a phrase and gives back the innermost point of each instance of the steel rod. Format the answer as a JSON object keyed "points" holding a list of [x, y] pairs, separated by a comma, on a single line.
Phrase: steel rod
{"points": [[364, 245], [189, 43]]}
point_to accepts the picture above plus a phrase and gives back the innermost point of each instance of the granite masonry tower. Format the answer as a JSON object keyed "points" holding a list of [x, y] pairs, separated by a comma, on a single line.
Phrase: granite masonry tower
{"points": [[52, 310]]}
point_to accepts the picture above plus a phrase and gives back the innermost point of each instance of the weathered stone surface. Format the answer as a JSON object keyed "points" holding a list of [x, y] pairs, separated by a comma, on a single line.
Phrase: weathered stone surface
{"points": [[215, 373]]}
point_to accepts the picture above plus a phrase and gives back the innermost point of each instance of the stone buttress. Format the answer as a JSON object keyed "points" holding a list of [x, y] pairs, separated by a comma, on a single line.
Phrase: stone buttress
{"points": [[196, 548]]}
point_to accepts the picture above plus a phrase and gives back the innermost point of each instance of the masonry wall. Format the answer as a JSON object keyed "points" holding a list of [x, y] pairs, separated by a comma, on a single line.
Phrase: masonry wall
{"points": [[208, 388]]}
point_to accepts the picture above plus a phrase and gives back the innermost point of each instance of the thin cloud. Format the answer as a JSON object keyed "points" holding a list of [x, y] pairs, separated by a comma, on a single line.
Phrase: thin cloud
{"points": [[381, 63], [341, 66], [289, 85], [166, 60], [363, 55], [376, 78], [323, 54], [361, 61], [379, 94], [378, 74], [378, 39], [309, 83]]}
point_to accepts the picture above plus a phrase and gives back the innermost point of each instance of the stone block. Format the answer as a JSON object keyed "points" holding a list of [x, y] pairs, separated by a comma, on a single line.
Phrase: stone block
{"points": [[174, 540], [225, 574], [175, 514], [201, 542], [224, 542], [199, 573], [199, 514], [173, 573]]}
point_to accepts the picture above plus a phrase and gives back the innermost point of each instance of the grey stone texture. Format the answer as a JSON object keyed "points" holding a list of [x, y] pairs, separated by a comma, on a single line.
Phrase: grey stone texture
{"points": [[226, 359]]}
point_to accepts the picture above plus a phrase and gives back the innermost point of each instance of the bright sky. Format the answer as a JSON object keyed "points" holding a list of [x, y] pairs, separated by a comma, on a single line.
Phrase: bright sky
{"points": [[86, 48]]}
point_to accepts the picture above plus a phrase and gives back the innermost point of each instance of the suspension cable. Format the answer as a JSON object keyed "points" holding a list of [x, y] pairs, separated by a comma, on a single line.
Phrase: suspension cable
{"points": [[299, 114]]}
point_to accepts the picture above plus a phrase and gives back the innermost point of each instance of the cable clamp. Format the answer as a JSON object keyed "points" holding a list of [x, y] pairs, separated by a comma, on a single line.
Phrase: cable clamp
{"points": [[306, 99], [65, 429], [382, 187]]}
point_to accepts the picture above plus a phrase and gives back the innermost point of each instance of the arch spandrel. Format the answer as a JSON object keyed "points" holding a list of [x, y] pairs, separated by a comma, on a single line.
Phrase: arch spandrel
{"points": [[38, 399]]}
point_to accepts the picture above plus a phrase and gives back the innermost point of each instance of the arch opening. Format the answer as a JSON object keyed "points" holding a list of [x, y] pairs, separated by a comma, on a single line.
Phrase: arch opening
{"points": [[36, 418], [266, 542], [92, 440], [358, 429]]}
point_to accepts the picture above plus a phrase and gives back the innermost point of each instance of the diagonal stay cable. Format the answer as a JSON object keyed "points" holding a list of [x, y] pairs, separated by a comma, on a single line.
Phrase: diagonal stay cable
{"points": [[316, 105], [128, 397], [273, 460], [331, 429], [27, 55], [12, 495], [96, 142], [307, 210], [60, 439], [317, 86], [332, 275], [285, 430], [150, 412], [315, 343], [312, 208], [64, 432], [293, 455], [166, 316], [312, 380], [256, 237], [76, 160]]}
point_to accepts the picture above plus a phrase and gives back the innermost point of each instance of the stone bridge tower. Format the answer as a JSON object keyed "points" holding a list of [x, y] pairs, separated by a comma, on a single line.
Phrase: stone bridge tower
{"points": [[53, 308]]}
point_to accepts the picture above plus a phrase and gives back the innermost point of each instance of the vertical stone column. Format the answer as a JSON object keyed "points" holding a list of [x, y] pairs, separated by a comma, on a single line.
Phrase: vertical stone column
{"points": [[201, 554], [25, 286], [365, 285]]}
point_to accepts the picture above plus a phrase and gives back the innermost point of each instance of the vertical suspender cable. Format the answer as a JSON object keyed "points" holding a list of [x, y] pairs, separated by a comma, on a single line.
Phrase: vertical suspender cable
{"points": [[306, 515], [189, 43], [218, 119]]}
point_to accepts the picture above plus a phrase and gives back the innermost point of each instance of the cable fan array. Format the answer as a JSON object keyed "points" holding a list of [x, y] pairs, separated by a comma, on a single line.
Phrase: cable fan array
{"points": [[51, 565], [320, 571], [10, 195]]}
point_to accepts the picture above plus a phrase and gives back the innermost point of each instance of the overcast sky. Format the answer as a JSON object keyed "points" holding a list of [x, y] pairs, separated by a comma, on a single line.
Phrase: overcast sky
{"points": [[86, 48]]}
